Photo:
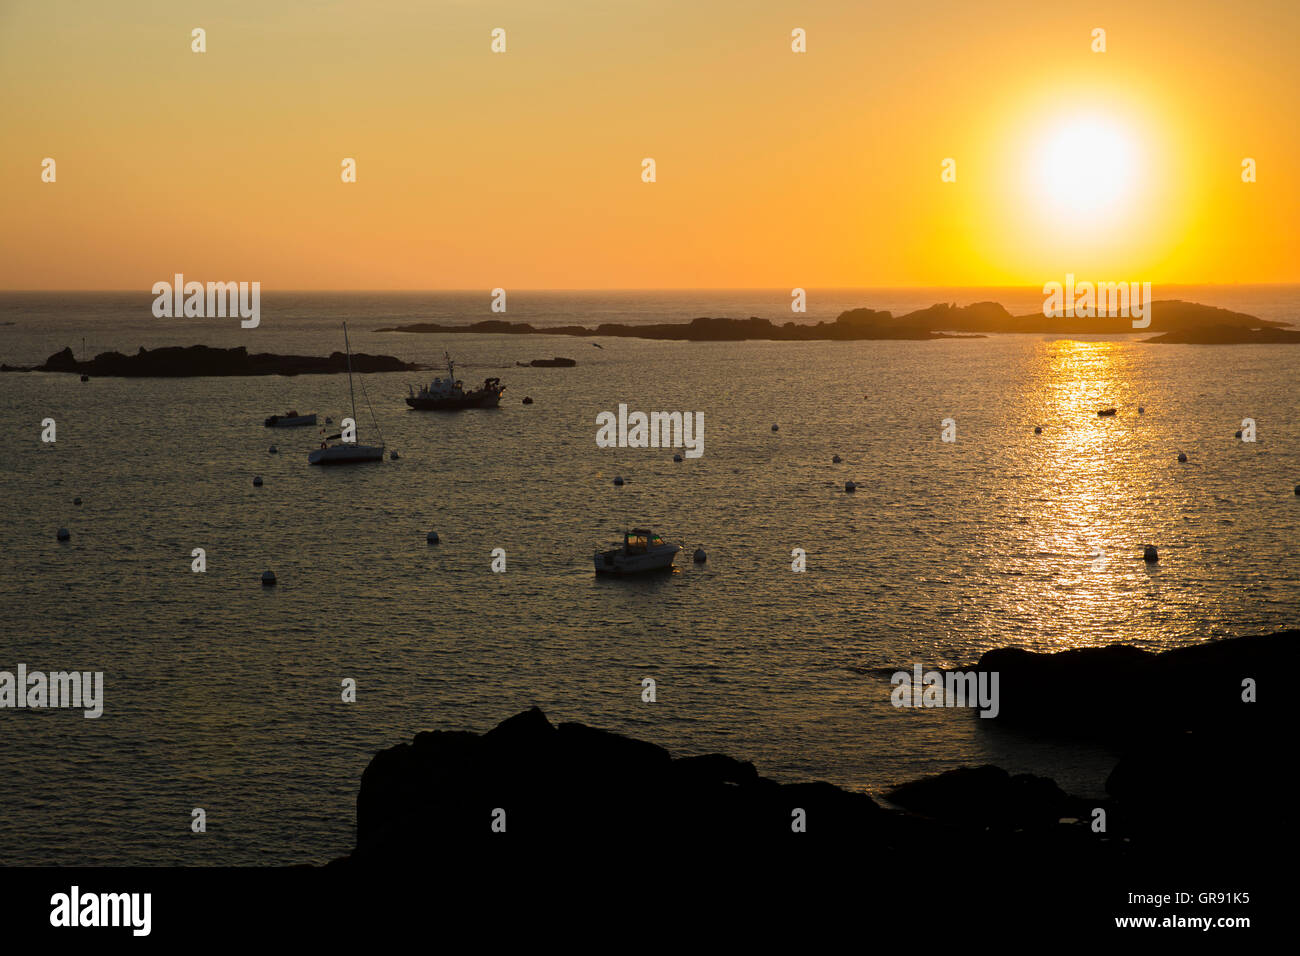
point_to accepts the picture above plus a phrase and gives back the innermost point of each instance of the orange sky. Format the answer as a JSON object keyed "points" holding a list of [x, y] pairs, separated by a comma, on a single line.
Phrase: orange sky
{"points": [[523, 169]]}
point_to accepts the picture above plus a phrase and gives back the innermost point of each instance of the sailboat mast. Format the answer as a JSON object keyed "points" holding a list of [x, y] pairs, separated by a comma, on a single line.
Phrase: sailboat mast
{"points": [[351, 394]]}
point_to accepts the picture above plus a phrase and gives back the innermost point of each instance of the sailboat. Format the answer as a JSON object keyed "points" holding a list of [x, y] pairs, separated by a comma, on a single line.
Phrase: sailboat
{"points": [[348, 453]]}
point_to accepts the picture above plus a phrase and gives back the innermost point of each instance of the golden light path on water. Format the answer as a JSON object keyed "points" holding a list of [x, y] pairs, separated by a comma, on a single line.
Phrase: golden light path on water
{"points": [[1095, 490]]}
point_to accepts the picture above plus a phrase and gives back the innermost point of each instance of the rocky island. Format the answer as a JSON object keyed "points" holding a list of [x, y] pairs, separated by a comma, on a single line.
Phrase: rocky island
{"points": [[943, 320], [197, 360], [1228, 335]]}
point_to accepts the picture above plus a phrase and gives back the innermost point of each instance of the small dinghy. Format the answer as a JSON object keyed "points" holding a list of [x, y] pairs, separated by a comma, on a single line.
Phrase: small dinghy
{"points": [[289, 420], [642, 550]]}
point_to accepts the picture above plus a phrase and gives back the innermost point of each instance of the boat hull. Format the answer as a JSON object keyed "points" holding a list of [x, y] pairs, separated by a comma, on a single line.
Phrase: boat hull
{"points": [[346, 455], [282, 421], [615, 562], [484, 400]]}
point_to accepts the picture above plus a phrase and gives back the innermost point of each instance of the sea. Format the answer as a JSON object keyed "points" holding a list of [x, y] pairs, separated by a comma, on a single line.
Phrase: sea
{"points": [[223, 695]]}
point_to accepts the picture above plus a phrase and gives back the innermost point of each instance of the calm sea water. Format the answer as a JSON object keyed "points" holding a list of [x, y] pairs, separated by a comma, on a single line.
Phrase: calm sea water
{"points": [[224, 695]]}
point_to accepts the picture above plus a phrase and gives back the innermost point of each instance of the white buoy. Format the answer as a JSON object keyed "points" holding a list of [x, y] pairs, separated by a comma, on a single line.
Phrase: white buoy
{"points": [[76, 501], [272, 450], [64, 534], [850, 486], [1150, 555], [836, 459], [700, 556], [257, 481], [618, 480], [677, 457], [268, 578], [432, 537], [1181, 456]]}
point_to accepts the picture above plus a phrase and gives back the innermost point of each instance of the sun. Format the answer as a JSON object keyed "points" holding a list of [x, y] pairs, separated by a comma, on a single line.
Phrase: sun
{"points": [[1085, 170]]}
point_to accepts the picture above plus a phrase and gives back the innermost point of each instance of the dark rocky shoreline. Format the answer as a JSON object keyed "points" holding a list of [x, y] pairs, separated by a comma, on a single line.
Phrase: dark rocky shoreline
{"points": [[1199, 779]]}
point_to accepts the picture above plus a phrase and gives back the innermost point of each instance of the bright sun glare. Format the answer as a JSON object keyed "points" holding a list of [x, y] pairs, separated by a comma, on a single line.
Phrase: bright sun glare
{"points": [[1086, 167]]}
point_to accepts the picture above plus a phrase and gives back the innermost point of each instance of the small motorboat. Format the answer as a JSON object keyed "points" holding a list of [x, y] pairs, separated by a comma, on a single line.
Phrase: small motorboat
{"points": [[1107, 412], [290, 419], [642, 550]]}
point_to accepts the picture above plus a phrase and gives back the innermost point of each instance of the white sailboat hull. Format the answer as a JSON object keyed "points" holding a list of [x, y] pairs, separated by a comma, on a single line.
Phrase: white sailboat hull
{"points": [[346, 454]]}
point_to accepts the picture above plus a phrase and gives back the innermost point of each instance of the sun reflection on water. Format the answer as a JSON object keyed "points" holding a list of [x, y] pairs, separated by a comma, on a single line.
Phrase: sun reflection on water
{"points": [[1089, 493]]}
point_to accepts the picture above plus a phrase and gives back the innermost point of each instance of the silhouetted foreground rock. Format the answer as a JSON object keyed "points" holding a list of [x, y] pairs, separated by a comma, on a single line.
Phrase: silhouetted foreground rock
{"points": [[1202, 765], [589, 814], [196, 360], [581, 792], [988, 796], [1118, 691], [573, 784]]}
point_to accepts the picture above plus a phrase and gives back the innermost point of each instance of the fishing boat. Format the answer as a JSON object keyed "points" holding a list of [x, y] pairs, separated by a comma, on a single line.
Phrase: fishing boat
{"points": [[642, 550], [449, 394], [290, 419], [353, 452]]}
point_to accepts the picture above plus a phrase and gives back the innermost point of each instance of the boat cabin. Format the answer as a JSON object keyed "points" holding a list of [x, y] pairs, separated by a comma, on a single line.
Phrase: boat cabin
{"points": [[639, 540]]}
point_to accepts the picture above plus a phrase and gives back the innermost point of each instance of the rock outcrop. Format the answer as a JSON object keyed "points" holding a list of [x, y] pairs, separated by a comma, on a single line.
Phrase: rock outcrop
{"points": [[933, 322], [197, 360], [1119, 691]]}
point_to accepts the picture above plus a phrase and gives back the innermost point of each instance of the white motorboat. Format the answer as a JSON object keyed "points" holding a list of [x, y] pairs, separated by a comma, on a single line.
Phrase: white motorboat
{"points": [[345, 452], [642, 550]]}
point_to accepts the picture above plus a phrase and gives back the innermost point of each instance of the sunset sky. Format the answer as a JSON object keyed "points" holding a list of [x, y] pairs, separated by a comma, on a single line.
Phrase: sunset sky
{"points": [[523, 169]]}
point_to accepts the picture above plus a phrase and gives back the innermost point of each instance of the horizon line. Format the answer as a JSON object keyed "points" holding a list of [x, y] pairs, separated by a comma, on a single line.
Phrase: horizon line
{"points": [[782, 289]]}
